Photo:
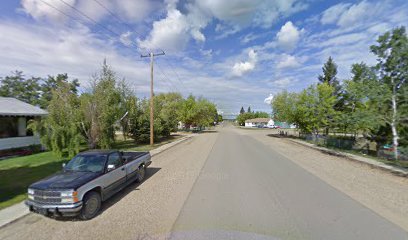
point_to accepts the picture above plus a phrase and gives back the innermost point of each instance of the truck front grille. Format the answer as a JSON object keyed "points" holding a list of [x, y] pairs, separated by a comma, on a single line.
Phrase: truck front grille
{"points": [[47, 197]]}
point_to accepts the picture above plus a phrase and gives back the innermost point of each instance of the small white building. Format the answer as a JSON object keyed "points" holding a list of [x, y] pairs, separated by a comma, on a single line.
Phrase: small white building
{"points": [[260, 122], [14, 115]]}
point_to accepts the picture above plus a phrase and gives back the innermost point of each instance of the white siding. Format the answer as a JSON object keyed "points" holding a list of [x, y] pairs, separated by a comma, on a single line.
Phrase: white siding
{"points": [[16, 142]]}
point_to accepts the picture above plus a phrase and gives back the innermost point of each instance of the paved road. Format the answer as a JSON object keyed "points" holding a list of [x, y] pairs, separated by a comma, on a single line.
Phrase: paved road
{"points": [[248, 187], [223, 185]]}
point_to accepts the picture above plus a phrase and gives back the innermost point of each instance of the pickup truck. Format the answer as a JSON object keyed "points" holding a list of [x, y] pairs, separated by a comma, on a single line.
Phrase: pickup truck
{"points": [[85, 182]]}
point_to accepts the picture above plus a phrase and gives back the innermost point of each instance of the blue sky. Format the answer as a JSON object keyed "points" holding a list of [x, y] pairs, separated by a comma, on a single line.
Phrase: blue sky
{"points": [[235, 53]]}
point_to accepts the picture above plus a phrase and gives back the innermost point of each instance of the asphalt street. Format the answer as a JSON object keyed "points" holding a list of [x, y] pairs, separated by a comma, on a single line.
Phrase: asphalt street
{"points": [[221, 185]]}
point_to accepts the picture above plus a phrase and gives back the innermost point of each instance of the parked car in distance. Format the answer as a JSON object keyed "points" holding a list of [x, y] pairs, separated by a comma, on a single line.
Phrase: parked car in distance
{"points": [[85, 182]]}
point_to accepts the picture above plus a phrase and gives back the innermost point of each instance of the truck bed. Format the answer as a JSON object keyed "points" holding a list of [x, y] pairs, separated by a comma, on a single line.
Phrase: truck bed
{"points": [[130, 156]]}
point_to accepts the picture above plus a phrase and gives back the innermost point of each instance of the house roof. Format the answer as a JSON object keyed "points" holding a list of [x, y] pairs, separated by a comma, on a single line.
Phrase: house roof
{"points": [[14, 107], [258, 120]]}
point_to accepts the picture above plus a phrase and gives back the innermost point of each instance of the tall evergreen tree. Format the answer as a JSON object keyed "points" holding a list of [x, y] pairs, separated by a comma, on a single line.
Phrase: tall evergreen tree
{"points": [[249, 109], [242, 111], [329, 75]]}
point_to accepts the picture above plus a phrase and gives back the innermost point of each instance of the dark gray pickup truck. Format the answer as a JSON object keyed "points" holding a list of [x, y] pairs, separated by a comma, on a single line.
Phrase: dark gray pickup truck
{"points": [[86, 181]]}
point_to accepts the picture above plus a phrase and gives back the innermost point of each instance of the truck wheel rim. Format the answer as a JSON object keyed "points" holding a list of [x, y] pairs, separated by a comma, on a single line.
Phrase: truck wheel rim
{"points": [[91, 206]]}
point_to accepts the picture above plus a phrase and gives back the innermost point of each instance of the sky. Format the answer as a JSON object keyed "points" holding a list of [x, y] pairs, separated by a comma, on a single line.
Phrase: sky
{"points": [[234, 53]]}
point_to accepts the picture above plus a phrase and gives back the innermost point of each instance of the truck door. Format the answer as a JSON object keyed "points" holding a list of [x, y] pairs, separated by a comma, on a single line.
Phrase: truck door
{"points": [[116, 175]]}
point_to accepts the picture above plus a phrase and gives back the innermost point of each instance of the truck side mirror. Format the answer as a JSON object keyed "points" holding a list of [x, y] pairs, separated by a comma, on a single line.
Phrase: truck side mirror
{"points": [[110, 167]]}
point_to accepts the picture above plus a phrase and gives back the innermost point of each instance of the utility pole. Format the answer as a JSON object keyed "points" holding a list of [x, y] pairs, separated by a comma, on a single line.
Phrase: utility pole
{"points": [[151, 55]]}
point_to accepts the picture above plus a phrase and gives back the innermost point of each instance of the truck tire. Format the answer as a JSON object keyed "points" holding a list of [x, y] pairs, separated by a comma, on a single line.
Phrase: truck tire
{"points": [[91, 205], [140, 174]]}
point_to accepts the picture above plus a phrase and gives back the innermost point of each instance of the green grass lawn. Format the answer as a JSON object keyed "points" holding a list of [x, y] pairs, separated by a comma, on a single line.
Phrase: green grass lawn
{"points": [[17, 173]]}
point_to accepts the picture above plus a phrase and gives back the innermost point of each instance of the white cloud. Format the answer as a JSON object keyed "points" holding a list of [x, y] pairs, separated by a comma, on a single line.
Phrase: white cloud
{"points": [[38, 9], [125, 38], [269, 99], [332, 14], [127, 10], [249, 38], [261, 13], [53, 50], [170, 33], [241, 68], [282, 83], [355, 13], [287, 61], [347, 15], [288, 36], [174, 32]]}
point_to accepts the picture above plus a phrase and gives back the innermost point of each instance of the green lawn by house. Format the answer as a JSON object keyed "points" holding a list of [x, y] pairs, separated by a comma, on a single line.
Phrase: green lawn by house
{"points": [[17, 173]]}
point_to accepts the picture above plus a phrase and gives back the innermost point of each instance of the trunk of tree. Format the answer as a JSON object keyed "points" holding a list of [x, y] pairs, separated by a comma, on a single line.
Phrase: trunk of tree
{"points": [[393, 122]]}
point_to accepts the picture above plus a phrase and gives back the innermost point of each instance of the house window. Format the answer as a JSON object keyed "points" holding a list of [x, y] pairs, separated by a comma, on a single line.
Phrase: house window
{"points": [[8, 127]]}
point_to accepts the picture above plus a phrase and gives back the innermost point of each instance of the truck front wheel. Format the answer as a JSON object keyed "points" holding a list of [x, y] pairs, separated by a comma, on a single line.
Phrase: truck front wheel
{"points": [[91, 205]]}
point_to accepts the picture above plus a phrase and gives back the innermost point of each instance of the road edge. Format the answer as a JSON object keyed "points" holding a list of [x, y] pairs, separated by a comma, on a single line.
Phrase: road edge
{"points": [[363, 160], [19, 210]]}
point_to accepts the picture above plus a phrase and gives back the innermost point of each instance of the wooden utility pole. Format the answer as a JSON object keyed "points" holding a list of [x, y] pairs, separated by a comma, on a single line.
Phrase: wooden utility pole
{"points": [[152, 55]]}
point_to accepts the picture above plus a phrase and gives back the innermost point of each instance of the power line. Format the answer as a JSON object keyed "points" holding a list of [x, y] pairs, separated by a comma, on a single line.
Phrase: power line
{"points": [[93, 21], [79, 21], [89, 18], [131, 28], [169, 80]]}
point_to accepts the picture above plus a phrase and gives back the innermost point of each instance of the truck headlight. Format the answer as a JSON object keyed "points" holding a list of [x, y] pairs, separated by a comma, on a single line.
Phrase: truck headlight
{"points": [[69, 197], [30, 191], [67, 194]]}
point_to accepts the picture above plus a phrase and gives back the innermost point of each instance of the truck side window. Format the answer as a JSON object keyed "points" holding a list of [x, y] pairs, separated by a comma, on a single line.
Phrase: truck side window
{"points": [[114, 159]]}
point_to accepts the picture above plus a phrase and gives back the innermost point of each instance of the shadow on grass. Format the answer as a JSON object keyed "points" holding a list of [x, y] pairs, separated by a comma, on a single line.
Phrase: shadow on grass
{"points": [[15, 181]]}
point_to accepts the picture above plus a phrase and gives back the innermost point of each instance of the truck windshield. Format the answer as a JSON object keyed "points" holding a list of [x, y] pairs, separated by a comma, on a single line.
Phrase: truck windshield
{"points": [[84, 163]]}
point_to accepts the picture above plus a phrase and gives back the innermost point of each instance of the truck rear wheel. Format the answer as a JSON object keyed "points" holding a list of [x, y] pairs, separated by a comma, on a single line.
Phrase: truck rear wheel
{"points": [[141, 171], [91, 205]]}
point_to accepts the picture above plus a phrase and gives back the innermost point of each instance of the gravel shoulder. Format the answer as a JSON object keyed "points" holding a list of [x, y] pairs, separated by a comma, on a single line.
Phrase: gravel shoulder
{"points": [[140, 211], [382, 192]]}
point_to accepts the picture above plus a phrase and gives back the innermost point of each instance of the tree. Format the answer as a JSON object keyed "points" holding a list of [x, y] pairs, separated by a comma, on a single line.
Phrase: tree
{"points": [[392, 63], [250, 115], [249, 109], [283, 107], [219, 118], [60, 130], [17, 86], [51, 83], [101, 109], [329, 75], [242, 111], [361, 96]]}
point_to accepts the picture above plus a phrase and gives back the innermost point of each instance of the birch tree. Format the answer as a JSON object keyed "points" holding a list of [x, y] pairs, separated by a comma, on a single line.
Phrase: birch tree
{"points": [[392, 63]]}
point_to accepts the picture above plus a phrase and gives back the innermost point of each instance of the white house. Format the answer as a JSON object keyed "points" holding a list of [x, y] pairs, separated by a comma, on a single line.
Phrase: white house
{"points": [[14, 115], [255, 122]]}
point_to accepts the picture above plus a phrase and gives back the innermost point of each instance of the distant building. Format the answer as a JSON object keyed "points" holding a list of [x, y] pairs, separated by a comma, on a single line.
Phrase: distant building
{"points": [[259, 122], [14, 115]]}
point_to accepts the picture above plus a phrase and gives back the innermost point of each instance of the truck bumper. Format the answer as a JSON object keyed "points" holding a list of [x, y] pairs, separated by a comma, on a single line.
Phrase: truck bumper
{"points": [[56, 210]]}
